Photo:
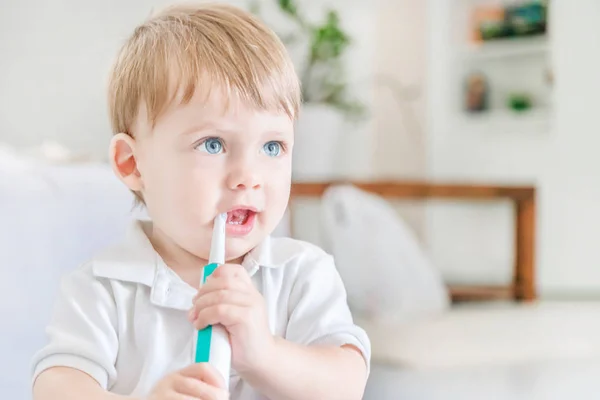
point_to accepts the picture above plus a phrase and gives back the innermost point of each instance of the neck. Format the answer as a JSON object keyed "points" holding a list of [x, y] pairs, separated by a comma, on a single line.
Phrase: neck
{"points": [[185, 264]]}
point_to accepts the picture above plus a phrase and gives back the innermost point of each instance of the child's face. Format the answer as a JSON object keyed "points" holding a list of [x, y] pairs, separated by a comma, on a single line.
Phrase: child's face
{"points": [[202, 159]]}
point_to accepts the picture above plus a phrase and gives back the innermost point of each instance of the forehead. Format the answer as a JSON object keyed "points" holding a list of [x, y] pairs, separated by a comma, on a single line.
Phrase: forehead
{"points": [[221, 111]]}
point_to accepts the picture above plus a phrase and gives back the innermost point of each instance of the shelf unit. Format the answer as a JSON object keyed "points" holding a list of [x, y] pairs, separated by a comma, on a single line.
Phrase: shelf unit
{"points": [[516, 65], [506, 121], [503, 49]]}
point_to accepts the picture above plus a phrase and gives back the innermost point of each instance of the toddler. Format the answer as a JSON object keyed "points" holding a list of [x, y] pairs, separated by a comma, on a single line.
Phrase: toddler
{"points": [[203, 100]]}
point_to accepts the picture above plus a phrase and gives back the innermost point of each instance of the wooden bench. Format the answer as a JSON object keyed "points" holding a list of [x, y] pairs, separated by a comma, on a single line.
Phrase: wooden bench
{"points": [[522, 287]]}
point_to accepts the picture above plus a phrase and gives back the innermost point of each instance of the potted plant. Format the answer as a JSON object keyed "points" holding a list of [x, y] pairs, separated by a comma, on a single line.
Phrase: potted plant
{"points": [[327, 104]]}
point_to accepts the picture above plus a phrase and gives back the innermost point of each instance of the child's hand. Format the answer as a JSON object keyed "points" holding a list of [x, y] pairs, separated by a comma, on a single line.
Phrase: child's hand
{"points": [[229, 298], [198, 381]]}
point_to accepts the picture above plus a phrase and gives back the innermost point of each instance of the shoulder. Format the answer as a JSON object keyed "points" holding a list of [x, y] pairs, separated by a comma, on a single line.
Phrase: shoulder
{"points": [[130, 261], [295, 261], [297, 251], [116, 265], [83, 283], [289, 255]]}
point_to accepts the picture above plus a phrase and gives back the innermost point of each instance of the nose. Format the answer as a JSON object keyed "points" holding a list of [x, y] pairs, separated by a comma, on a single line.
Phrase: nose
{"points": [[243, 176]]}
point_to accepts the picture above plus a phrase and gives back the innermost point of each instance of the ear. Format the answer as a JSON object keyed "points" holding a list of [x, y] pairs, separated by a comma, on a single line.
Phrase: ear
{"points": [[123, 161]]}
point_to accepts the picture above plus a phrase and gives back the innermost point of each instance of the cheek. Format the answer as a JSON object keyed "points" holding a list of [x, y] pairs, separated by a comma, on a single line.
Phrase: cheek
{"points": [[198, 185], [202, 188], [278, 191], [179, 185], [162, 177]]}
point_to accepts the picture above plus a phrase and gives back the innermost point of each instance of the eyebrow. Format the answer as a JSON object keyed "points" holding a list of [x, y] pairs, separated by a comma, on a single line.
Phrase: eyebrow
{"points": [[275, 133], [198, 128], [211, 126]]}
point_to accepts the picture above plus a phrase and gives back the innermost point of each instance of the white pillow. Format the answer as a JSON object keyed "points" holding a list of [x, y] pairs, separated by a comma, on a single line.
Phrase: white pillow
{"points": [[385, 271]]}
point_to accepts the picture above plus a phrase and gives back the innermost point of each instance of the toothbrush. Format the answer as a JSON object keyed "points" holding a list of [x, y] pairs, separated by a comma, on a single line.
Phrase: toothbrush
{"points": [[212, 344]]}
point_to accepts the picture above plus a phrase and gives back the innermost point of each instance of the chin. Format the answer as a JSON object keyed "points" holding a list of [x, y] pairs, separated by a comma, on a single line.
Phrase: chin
{"points": [[238, 247]]}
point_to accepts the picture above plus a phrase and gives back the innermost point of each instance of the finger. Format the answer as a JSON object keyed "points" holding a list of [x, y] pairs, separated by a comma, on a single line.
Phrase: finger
{"points": [[225, 314], [204, 372], [221, 296], [227, 269], [230, 282], [197, 389], [235, 270], [176, 395], [179, 396]]}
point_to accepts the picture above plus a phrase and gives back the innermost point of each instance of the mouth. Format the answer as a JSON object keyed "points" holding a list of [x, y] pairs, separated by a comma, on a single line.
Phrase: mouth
{"points": [[240, 221], [239, 216]]}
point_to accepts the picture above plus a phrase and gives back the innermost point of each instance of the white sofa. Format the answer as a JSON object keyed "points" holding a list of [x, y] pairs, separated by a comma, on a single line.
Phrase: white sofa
{"points": [[546, 350], [53, 219], [478, 335]]}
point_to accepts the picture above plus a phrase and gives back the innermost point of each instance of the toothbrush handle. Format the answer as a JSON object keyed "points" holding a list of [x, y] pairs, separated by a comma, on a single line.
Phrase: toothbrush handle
{"points": [[218, 353], [212, 343]]}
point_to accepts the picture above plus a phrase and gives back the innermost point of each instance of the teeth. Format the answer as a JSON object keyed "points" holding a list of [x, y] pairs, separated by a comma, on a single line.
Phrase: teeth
{"points": [[237, 217]]}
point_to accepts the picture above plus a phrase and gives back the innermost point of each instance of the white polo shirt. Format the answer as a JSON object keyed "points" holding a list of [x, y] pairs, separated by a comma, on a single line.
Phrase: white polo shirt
{"points": [[122, 317]]}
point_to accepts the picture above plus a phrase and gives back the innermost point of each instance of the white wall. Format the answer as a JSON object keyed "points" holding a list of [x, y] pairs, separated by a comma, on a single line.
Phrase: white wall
{"points": [[56, 56], [563, 162], [399, 115], [55, 59]]}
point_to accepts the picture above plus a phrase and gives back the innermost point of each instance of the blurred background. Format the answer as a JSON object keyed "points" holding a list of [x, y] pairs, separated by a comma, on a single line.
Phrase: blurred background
{"points": [[447, 155]]}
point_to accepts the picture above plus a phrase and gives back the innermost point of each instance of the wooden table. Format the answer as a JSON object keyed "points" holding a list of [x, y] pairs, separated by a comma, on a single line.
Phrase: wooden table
{"points": [[523, 198]]}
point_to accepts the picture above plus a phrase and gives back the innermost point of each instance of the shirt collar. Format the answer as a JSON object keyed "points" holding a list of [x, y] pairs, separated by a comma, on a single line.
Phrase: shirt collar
{"points": [[270, 253], [135, 259]]}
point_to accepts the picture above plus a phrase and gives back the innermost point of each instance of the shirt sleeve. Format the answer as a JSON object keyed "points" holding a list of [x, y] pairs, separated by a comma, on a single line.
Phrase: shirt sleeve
{"points": [[82, 332], [319, 312]]}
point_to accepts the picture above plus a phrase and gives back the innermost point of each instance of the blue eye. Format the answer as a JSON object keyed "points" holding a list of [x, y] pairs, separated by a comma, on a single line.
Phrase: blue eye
{"points": [[211, 146], [272, 149]]}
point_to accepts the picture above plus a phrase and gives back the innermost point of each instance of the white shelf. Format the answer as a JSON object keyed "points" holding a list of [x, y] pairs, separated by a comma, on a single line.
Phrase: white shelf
{"points": [[501, 120], [507, 48]]}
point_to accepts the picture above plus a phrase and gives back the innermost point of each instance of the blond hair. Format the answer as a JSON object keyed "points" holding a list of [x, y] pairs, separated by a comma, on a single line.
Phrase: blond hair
{"points": [[186, 48]]}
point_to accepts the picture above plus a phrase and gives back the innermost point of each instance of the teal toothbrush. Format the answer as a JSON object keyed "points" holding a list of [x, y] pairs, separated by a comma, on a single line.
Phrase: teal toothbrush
{"points": [[212, 344]]}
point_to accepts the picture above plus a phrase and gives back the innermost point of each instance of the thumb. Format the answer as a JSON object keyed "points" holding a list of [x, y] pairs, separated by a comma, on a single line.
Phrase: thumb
{"points": [[205, 373]]}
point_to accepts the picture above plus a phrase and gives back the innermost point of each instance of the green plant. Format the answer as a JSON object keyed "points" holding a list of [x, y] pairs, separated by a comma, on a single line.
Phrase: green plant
{"points": [[519, 102], [323, 74]]}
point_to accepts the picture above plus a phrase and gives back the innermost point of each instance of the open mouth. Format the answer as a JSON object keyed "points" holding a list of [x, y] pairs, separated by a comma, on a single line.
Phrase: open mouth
{"points": [[239, 217], [240, 222]]}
